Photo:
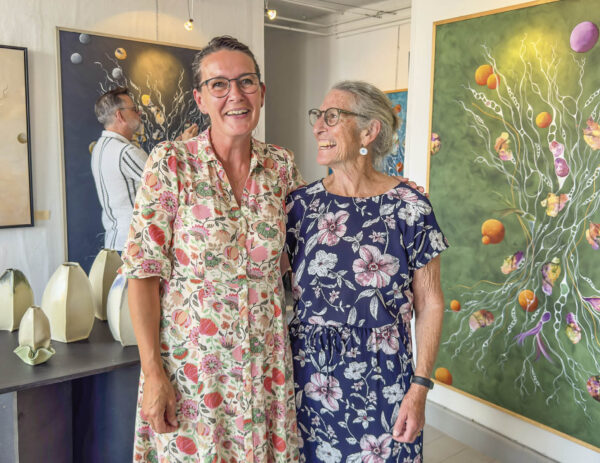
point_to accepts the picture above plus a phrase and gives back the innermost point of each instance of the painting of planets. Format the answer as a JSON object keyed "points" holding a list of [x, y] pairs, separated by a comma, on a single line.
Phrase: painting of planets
{"points": [[16, 209], [393, 163], [516, 190], [159, 78]]}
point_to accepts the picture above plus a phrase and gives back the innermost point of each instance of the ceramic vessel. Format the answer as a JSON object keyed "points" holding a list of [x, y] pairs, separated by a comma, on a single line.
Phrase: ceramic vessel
{"points": [[69, 304], [15, 297], [102, 274], [119, 320], [34, 337]]}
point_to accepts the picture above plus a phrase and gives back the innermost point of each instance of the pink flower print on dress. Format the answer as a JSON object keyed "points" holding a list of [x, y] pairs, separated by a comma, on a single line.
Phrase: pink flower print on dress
{"points": [[277, 410], [201, 211], [373, 268], [258, 254], [152, 266], [404, 194], [375, 450], [168, 202], [386, 339], [189, 409], [211, 364], [325, 389], [331, 227]]}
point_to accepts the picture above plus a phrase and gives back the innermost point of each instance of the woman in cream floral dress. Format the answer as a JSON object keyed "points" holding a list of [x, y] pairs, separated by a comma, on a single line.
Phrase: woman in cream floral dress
{"points": [[205, 294]]}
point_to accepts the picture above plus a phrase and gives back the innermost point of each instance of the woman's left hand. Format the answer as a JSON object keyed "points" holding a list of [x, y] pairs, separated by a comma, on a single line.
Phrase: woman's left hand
{"points": [[411, 417]]}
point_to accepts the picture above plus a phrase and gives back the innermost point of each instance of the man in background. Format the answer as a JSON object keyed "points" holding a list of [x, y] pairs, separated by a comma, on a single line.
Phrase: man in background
{"points": [[117, 164]]}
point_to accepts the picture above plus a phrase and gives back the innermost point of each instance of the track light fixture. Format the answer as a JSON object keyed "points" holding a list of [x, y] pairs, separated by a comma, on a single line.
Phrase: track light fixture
{"points": [[189, 24], [271, 14]]}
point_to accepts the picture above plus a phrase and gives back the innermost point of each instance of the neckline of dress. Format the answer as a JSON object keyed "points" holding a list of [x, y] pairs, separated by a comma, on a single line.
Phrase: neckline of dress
{"points": [[359, 197]]}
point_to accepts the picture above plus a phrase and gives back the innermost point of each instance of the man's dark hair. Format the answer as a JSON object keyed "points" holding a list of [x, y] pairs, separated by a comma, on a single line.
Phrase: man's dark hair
{"points": [[108, 103], [223, 42]]}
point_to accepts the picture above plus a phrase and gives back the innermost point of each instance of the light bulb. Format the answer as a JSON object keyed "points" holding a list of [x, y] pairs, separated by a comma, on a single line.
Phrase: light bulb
{"points": [[272, 14], [189, 24]]}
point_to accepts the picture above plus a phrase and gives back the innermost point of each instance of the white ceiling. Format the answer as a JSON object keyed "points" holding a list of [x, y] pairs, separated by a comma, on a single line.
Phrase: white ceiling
{"points": [[332, 13]]}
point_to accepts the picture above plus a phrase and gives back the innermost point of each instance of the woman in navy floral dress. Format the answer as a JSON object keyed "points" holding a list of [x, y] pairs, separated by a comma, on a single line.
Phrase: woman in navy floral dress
{"points": [[364, 252]]}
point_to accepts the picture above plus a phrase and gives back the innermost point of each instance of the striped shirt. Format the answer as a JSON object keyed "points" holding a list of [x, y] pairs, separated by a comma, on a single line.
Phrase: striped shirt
{"points": [[117, 167]]}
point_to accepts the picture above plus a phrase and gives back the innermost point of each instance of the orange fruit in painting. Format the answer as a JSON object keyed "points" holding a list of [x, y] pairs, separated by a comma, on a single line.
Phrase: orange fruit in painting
{"points": [[455, 305], [492, 232], [543, 120], [482, 74], [528, 300], [443, 375], [492, 81]]}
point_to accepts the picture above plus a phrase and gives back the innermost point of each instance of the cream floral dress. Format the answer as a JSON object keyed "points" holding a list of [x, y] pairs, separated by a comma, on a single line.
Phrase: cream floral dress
{"points": [[222, 330]]}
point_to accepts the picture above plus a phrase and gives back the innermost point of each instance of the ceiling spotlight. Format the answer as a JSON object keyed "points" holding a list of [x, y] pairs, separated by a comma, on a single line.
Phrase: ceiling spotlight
{"points": [[189, 24], [271, 14]]}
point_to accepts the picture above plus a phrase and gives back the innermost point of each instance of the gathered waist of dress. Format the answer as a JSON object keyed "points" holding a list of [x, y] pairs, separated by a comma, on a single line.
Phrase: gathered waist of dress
{"points": [[317, 323], [390, 339]]}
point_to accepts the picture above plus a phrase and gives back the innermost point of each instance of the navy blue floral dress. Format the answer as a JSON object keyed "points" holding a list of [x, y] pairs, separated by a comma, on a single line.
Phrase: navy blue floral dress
{"points": [[353, 261]]}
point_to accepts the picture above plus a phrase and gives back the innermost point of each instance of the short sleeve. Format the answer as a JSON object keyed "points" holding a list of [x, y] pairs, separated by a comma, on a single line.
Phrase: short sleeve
{"points": [[424, 239], [295, 180], [147, 252], [133, 161]]}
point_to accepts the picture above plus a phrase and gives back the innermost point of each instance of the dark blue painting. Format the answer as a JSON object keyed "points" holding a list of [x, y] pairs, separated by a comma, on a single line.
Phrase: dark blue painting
{"points": [[393, 163], [159, 77]]}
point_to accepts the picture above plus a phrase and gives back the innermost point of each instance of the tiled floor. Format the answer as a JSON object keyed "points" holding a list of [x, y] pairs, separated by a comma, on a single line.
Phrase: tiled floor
{"points": [[438, 448]]}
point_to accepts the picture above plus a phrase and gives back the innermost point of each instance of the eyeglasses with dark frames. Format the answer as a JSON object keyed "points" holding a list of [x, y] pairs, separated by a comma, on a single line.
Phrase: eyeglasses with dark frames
{"points": [[220, 87], [330, 115], [134, 108]]}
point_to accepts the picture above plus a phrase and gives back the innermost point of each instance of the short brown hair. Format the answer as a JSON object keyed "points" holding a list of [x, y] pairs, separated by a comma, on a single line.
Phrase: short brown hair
{"points": [[108, 103], [223, 42]]}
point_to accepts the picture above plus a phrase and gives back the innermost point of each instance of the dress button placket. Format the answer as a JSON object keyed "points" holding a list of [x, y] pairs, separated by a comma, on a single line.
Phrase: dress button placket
{"points": [[244, 320]]}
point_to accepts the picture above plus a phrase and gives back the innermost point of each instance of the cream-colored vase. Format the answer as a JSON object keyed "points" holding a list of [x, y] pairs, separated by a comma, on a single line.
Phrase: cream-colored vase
{"points": [[15, 297], [69, 304], [102, 274], [34, 337], [119, 320]]}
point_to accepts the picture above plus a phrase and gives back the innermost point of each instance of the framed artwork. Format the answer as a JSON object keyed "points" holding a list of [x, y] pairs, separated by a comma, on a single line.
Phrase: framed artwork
{"points": [[159, 78], [393, 163], [514, 167], [16, 206]]}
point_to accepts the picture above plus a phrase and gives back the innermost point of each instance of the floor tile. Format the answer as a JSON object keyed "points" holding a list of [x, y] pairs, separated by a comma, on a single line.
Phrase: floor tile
{"points": [[469, 455], [441, 449], [430, 434]]}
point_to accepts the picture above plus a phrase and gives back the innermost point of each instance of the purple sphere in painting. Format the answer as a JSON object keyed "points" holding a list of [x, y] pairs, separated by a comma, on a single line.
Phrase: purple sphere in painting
{"points": [[584, 36], [561, 167]]}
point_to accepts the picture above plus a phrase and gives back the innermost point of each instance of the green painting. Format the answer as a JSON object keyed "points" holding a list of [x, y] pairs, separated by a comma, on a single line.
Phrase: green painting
{"points": [[514, 179]]}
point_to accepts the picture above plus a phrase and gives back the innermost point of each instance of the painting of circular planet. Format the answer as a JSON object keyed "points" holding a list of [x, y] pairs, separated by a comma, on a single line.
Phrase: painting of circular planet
{"points": [[516, 189]]}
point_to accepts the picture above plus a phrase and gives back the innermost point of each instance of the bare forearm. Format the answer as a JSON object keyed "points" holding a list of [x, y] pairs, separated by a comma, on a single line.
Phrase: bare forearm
{"points": [[144, 306], [429, 312]]}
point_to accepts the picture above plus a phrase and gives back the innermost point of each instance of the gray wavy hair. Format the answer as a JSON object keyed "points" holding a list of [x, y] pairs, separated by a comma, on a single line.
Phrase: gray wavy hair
{"points": [[375, 105]]}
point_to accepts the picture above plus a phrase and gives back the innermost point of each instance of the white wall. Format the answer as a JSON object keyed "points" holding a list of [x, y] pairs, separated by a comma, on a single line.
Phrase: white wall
{"points": [[301, 68], [424, 14], [39, 250]]}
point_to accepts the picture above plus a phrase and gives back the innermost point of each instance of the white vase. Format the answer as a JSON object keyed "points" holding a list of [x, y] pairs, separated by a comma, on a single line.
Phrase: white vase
{"points": [[119, 320], [69, 304], [15, 297], [102, 274], [34, 337]]}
